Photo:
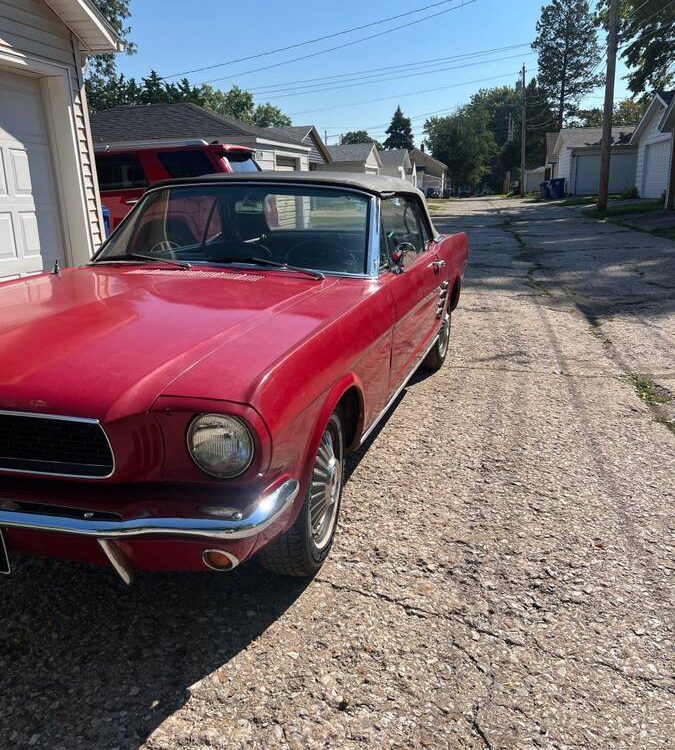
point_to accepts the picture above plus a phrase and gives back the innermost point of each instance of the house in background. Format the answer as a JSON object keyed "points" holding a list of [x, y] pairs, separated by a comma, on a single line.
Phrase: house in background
{"points": [[150, 124], [49, 202], [396, 163], [576, 156], [308, 135], [354, 157], [654, 142], [430, 174]]}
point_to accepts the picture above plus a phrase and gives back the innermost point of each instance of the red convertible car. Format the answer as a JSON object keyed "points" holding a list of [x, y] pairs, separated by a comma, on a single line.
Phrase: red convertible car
{"points": [[186, 400]]}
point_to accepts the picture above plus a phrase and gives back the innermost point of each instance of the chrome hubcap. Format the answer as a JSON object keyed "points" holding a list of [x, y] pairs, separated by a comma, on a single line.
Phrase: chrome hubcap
{"points": [[325, 491], [444, 336]]}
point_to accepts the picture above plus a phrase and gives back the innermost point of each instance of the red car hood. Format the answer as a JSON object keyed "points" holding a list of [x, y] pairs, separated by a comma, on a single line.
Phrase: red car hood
{"points": [[106, 342]]}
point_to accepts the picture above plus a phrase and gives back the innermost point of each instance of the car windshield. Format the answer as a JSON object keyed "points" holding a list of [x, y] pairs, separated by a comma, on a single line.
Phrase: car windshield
{"points": [[323, 229]]}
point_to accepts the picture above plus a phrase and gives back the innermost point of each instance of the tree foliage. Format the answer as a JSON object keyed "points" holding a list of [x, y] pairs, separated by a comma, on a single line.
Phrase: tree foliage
{"points": [[568, 54], [117, 13], [358, 136], [477, 143], [105, 92], [626, 112], [399, 132], [464, 142], [647, 41]]}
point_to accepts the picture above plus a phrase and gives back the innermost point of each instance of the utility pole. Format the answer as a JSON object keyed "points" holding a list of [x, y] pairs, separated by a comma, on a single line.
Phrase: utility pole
{"points": [[523, 137], [507, 176], [605, 152]]}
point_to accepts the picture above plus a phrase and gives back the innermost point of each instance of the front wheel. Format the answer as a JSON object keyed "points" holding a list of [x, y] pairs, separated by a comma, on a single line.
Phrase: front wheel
{"points": [[302, 550], [434, 360]]}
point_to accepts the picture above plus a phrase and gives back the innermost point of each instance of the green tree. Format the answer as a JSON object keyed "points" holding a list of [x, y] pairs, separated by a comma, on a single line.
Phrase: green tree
{"points": [[626, 112], [647, 41], [358, 136], [116, 13], [568, 53], [501, 108], [268, 116], [464, 142], [399, 132]]}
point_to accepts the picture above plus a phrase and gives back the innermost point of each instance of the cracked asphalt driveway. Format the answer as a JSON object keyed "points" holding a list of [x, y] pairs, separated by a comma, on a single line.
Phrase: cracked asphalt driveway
{"points": [[502, 574]]}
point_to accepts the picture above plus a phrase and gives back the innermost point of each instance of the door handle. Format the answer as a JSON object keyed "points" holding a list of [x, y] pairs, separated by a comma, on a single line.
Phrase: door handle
{"points": [[132, 202], [437, 264]]}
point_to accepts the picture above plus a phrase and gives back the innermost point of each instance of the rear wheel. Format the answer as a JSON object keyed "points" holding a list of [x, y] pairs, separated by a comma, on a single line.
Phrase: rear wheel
{"points": [[434, 360], [302, 550]]}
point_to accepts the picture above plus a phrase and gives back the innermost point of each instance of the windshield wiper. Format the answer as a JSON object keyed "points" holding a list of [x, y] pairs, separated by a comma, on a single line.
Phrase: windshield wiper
{"points": [[183, 265], [285, 267]]}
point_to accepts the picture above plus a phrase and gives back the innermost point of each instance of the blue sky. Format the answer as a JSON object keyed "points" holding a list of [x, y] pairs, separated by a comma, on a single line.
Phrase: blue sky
{"points": [[171, 41]]}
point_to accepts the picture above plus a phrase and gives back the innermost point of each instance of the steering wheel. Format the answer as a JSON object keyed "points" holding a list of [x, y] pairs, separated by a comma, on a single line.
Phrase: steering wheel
{"points": [[256, 245]]}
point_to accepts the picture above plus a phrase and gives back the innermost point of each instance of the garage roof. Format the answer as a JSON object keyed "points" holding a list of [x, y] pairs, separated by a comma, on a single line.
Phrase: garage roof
{"points": [[148, 122], [88, 24]]}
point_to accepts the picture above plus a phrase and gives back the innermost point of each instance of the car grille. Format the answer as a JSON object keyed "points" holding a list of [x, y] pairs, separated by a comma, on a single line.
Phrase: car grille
{"points": [[51, 445]]}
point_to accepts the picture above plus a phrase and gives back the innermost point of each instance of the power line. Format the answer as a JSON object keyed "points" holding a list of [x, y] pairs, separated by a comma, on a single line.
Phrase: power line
{"points": [[421, 63], [346, 44], [400, 96], [415, 74], [310, 41], [327, 36]]}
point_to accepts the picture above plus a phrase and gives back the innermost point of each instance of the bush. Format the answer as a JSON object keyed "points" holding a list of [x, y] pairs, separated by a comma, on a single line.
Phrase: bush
{"points": [[630, 193]]}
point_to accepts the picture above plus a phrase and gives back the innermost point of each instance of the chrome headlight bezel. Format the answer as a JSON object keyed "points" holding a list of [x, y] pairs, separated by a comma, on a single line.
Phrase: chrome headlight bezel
{"points": [[227, 421]]}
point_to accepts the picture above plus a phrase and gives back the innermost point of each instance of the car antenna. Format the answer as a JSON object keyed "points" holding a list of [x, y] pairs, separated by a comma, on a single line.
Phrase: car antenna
{"points": [[56, 270]]}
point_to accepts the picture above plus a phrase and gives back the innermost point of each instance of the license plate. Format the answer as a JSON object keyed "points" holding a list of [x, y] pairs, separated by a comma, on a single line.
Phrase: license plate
{"points": [[5, 568]]}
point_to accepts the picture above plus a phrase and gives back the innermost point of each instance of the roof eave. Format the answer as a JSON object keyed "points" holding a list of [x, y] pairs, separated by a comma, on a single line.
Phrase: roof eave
{"points": [[656, 101], [667, 124], [88, 24]]}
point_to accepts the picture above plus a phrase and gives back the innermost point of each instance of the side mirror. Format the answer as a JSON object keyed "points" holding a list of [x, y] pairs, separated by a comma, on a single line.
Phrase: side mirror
{"points": [[399, 253]]}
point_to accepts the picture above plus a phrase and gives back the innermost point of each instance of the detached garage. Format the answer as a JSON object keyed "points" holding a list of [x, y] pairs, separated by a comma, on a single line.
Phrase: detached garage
{"points": [[49, 206], [585, 170], [654, 145]]}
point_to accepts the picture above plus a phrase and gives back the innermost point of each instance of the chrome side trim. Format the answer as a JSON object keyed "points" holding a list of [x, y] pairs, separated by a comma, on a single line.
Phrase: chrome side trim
{"points": [[379, 417], [60, 417], [255, 519]]}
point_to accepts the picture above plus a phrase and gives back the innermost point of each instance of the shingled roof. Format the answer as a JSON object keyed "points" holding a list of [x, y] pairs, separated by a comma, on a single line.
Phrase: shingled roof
{"points": [[394, 157], [148, 122], [351, 151], [591, 137], [306, 134]]}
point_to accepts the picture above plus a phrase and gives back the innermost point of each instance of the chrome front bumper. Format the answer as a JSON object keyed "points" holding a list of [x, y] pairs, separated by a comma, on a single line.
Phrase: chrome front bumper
{"points": [[232, 524], [229, 523]]}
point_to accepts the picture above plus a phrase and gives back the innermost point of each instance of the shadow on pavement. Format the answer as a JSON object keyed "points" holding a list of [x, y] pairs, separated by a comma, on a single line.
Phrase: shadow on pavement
{"points": [[608, 269], [88, 658]]}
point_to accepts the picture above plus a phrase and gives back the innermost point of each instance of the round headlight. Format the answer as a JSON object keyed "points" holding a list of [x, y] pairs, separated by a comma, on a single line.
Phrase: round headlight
{"points": [[220, 445]]}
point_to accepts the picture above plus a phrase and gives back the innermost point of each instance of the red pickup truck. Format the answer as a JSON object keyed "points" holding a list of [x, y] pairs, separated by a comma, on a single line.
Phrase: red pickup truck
{"points": [[125, 173]]}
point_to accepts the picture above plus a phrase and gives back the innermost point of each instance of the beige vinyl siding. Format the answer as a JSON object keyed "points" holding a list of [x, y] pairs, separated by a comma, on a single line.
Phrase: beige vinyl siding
{"points": [[30, 27]]}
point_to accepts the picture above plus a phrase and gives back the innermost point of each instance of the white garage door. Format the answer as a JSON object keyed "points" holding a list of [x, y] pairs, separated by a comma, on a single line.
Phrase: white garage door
{"points": [[657, 161], [30, 231], [621, 173]]}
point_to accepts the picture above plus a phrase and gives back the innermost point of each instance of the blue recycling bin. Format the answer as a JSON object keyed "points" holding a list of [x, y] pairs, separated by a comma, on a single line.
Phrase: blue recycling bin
{"points": [[106, 220], [545, 190], [557, 188]]}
